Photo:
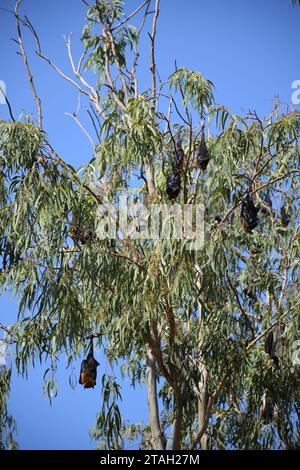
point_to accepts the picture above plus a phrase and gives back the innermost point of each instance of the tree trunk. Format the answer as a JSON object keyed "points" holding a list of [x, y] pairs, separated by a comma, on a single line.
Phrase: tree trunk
{"points": [[202, 404], [150, 179], [202, 387], [178, 420], [157, 436]]}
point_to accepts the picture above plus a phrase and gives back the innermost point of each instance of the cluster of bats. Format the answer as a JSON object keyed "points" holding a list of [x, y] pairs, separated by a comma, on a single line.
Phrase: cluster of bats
{"points": [[249, 212], [83, 233], [174, 179], [249, 219]]}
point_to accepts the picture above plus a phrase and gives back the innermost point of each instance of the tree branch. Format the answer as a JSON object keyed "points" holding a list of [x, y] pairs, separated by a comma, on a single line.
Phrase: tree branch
{"points": [[29, 74], [157, 435]]}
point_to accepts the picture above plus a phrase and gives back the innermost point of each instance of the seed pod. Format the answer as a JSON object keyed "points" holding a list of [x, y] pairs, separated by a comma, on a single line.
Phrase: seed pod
{"points": [[284, 217], [173, 185], [249, 219], [202, 155]]}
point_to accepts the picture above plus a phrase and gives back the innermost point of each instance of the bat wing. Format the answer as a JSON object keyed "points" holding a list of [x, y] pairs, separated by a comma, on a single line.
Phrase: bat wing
{"points": [[269, 343], [92, 363], [83, 369]]}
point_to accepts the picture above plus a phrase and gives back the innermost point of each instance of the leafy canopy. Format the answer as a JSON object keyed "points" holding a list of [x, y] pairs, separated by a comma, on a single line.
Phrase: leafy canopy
{"points": [[204, 314]]}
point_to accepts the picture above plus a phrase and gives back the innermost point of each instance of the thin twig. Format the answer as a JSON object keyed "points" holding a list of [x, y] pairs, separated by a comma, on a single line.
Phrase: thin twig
{"points": [[8, 104], [75, 118], [247, 319], [152, 52], [30, 77], [131, 15]]}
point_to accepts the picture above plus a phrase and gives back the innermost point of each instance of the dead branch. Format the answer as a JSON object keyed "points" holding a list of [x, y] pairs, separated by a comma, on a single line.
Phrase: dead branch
{"points": [[29, 74]]}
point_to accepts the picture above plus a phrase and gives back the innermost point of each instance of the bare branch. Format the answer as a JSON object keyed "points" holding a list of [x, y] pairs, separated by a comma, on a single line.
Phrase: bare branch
{"points": [[75, 118], [63, 75], [8, 104], [244, 313], [147, 2], [152, 52], [76, 72], [30, 77], [116, 98], [111, 43], [136, 53]]}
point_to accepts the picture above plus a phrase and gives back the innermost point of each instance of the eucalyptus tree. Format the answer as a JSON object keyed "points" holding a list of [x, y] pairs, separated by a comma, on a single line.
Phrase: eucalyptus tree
{"points": [[210, 331]]}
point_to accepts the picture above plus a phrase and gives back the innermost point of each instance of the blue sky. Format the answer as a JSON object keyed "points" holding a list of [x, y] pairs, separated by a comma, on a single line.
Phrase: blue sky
{"points": [[249, 50]]}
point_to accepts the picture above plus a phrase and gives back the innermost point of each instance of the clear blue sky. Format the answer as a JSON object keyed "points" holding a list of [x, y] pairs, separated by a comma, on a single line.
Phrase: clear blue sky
{"points": [[249, 49]]}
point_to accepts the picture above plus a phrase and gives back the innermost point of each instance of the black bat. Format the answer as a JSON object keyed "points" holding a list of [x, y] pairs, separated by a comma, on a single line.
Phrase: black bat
{"points": [[249, 219], [178, 157], [270, 345], [82, 232], [202, 154], [266, 410], [88, 370], [173, 185], [267, 203], [284, 218], [86, 234]]}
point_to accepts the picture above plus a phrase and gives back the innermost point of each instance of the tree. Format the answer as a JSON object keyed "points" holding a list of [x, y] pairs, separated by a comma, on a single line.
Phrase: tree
{"points": [[211, 331], [7, 423]]}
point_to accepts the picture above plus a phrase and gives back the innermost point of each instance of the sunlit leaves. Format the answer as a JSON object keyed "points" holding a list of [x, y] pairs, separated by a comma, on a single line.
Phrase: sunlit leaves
{"points": [[19, 145], [128, 292], [108, 422], [196, 90], [7, 423]]}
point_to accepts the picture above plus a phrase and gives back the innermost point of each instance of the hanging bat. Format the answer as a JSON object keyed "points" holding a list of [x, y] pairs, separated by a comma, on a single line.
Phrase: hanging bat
{"points": [[267, 207], [86, 234], [249, 219], [83, 233], [88, 370], [270, 348], [178, 157], [250, 293], [271, 345], [284, 218], [273, 341], [202, 155], [267, 410], [173, 185]]}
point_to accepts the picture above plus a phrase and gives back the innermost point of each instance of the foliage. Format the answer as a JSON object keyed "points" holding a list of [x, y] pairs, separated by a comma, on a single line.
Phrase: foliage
{"points": [[7, 423], [200, 311]]}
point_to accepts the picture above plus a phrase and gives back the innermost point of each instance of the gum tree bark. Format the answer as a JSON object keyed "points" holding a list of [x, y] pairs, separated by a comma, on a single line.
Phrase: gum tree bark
{"points": [[202, 387], [157, 437]]}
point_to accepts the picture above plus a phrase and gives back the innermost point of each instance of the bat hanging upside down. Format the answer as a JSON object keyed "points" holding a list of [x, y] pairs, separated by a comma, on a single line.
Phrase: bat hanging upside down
{"points": [[88, 370]]}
